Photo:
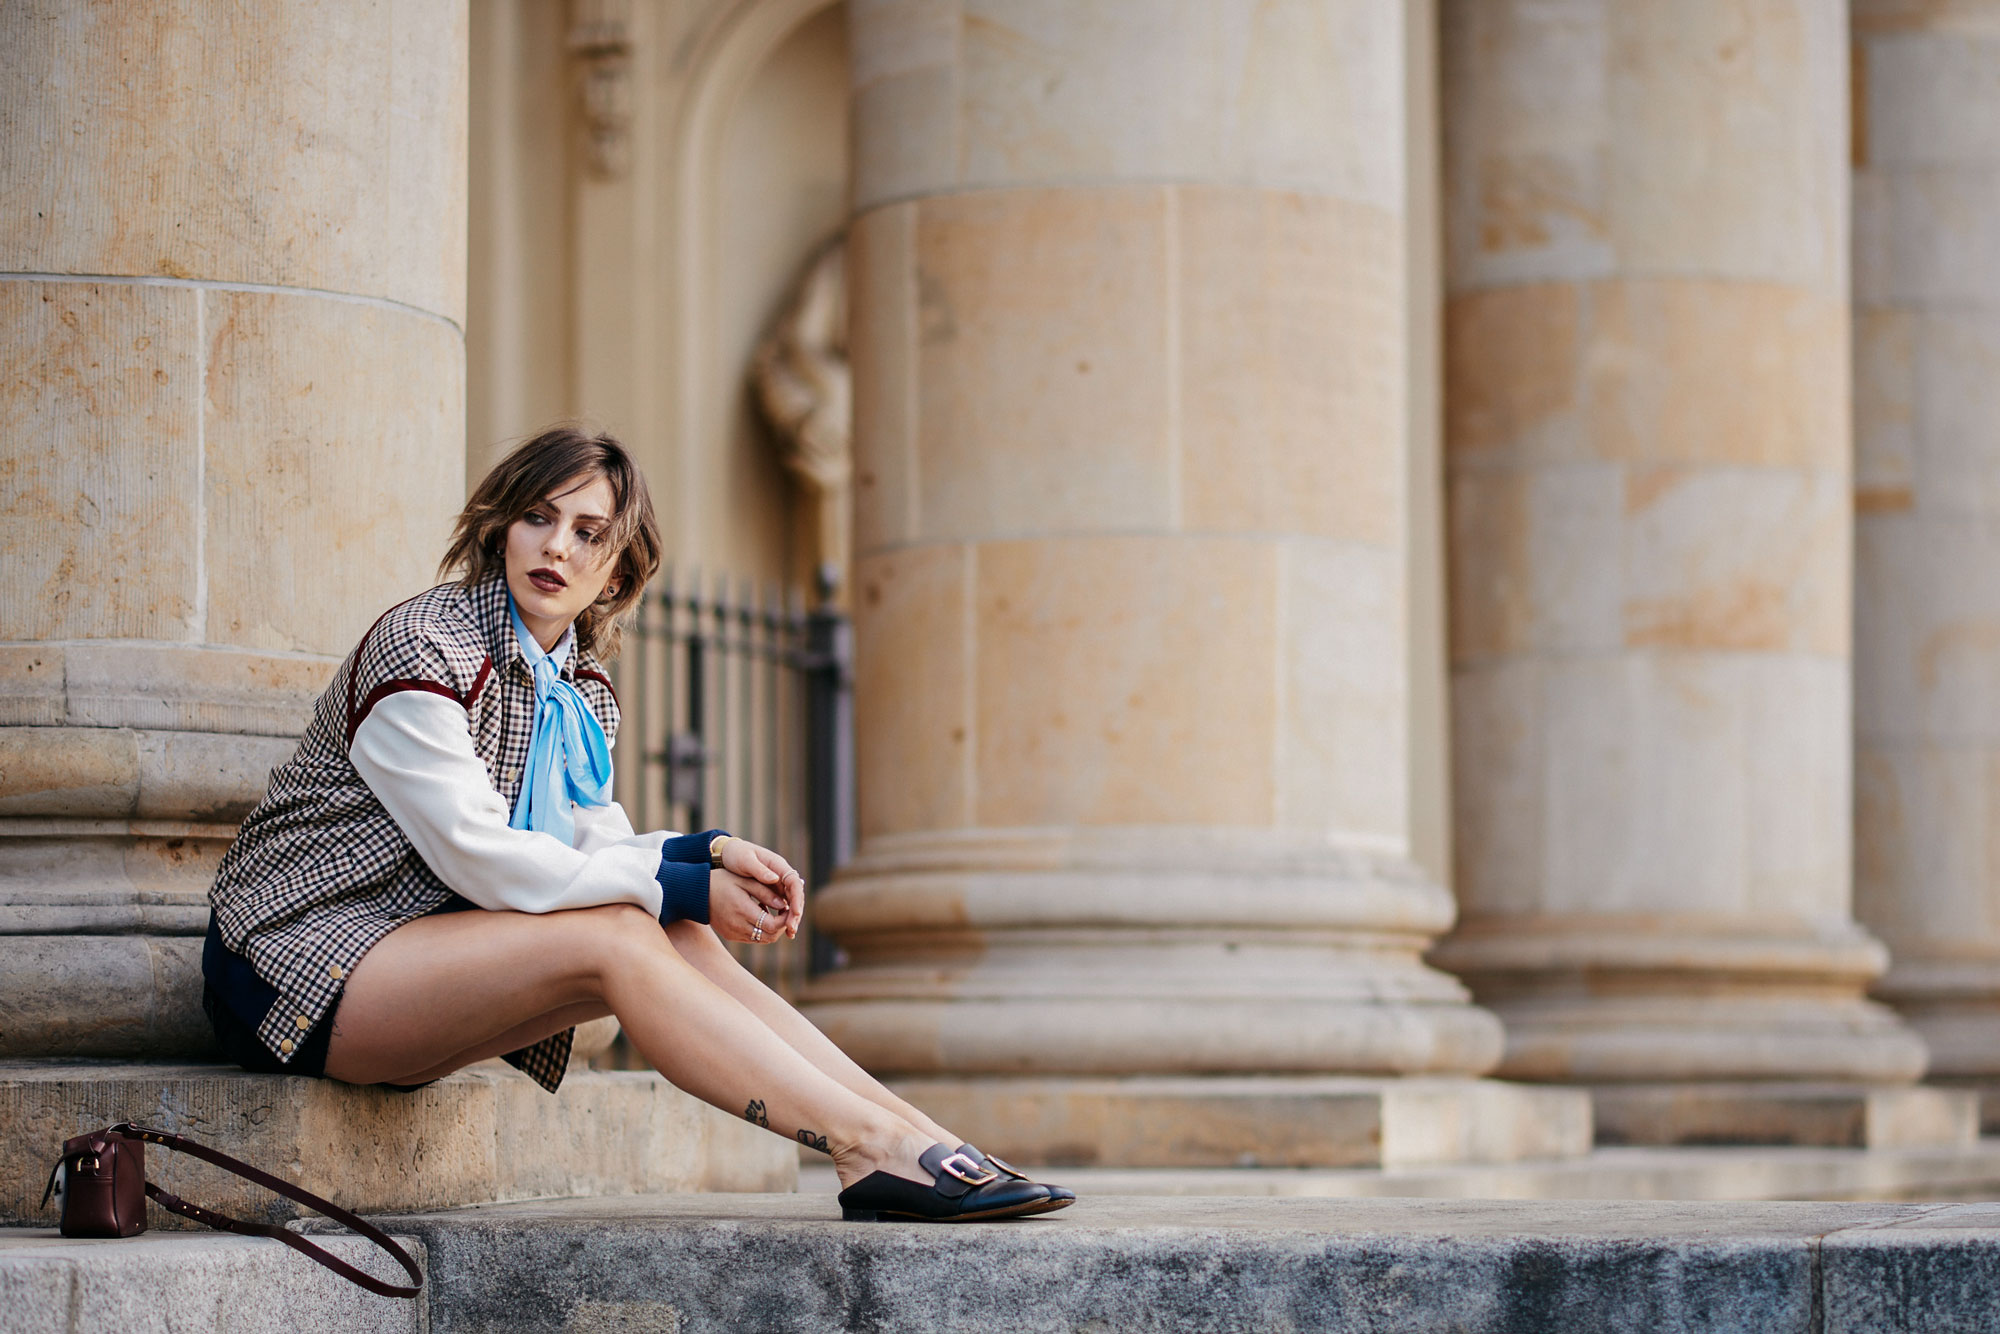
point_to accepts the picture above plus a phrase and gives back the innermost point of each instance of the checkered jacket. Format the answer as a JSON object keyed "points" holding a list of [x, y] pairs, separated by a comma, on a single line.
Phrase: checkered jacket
{"points": [[320, 870]]}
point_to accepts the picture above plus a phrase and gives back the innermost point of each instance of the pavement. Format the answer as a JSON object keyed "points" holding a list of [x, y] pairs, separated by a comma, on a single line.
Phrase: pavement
{"points": [[786, 1263], [695, 1263]]}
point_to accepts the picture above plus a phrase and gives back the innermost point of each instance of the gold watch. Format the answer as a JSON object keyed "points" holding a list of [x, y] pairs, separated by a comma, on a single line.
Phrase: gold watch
{"points": [[715, 851]]}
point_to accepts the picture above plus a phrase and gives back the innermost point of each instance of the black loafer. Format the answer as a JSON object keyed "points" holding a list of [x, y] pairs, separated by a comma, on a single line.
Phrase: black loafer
{"points": [[1007, 1169], [961, 1192]]}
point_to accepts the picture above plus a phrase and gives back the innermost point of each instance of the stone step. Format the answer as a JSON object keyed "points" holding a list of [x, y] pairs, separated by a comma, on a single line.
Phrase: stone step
{"points": [[699, 1263], [1988, 1093], [483, 1134], [1925, 1175], [1259, 1121], [1857, 1116], [192, 1283], [695, 1264]]}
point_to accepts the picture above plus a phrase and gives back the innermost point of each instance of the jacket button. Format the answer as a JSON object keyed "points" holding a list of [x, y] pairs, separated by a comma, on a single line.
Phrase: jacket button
{"points": [[286, 1046], [303, 1023], [336, 972]]}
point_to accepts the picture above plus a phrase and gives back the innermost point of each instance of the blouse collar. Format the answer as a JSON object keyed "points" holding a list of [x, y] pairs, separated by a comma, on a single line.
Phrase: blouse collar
{"points": [[495, 619]]}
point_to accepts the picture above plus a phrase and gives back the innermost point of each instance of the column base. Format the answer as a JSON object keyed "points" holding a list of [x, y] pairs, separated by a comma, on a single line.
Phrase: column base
{"points": [[101, 926], [1953, 1003], [479, 1136], [1840, 1116], [1987, 1091], [1690, 1001], [1141, 952], [1298, 1122]]}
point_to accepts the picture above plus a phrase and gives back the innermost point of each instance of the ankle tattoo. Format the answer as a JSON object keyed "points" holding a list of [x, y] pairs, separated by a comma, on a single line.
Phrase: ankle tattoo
{"points": [[754, 1114], [814, 1141]]}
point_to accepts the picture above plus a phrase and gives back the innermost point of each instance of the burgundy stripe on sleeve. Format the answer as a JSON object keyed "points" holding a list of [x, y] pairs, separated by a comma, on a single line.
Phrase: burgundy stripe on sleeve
{"points": [[478, 683], [354, 669]]}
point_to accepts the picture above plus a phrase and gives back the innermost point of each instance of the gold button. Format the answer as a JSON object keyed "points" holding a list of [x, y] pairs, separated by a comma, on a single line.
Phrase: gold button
{"points": [[303, 1023], [336, 972], [286, 1046]]}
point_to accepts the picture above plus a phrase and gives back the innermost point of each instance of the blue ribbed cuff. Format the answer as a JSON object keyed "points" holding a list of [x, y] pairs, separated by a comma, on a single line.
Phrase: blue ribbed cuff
{"points": [[683, 891], [690, 847]]}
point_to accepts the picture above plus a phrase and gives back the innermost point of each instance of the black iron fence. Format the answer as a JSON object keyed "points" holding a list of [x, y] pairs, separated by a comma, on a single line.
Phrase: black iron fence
{"points": [[740, 700]]}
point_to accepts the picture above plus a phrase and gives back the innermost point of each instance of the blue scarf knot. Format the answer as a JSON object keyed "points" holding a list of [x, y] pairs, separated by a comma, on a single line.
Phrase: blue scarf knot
{"points": [[569, 759]]}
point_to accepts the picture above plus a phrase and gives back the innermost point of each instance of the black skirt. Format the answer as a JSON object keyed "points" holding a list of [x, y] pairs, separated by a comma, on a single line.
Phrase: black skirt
{"points": [[236, 1001]]}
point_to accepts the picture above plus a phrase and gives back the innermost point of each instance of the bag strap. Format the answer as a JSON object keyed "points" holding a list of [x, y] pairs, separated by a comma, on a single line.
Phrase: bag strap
{"points": [[224, 1222]]}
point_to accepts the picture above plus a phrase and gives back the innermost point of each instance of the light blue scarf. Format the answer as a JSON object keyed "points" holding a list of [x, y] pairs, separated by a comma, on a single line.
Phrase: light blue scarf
{"points": [[568, 757]]}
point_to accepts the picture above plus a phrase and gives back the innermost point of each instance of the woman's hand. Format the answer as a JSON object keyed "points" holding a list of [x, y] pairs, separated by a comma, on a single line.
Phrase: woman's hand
{"points": [[769, 877], [738, 908]]}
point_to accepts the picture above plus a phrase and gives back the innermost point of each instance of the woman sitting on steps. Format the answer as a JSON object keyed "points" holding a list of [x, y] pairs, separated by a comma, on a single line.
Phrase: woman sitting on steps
{"points": [[439, 874]]}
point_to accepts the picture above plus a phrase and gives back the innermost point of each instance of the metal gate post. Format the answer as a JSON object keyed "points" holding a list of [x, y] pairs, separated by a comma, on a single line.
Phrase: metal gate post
{"points": [[829, 746]]}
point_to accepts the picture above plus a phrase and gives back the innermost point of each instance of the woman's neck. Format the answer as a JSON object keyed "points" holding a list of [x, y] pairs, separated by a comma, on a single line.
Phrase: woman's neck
{"points": [[548, 632]]}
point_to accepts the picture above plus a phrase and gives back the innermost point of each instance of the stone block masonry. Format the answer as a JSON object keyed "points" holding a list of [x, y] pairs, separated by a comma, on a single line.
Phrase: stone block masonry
{"points": [[1310, 1121], [1482, 1267], [1649, 497], [232, 422], [193, 1285], [1131, 335], [483, 1134], [693, 1264]]}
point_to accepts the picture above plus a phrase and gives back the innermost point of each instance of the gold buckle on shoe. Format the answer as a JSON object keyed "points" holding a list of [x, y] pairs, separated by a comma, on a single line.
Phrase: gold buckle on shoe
{"points": [[976, 1177]]}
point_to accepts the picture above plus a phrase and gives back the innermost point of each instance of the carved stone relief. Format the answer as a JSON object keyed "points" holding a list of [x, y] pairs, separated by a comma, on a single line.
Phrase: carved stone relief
{"points": [[600, 35], [801, 381]]}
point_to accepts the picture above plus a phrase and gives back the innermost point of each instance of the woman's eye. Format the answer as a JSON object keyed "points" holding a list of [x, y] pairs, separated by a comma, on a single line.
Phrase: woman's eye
{"points": [[588, 536], [534, 518]]}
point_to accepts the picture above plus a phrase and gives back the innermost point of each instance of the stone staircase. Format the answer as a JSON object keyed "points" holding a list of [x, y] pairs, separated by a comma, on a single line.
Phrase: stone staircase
{"points": [[474, 1172], [698, 1263], [483, 1134], [189, 1282]]}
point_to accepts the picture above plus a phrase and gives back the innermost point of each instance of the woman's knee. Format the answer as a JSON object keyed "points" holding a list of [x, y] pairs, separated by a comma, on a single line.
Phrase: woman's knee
{"points": [[696, 938], [620, 934]]}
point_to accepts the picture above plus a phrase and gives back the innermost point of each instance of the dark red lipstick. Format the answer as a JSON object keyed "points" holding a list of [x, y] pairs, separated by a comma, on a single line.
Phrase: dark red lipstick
{"points": [[547, 580]]}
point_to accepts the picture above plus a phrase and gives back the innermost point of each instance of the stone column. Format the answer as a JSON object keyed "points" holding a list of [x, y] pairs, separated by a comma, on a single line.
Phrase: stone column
{"points": [[1648, 443], [232, 258], [1927, 605], [1129, 328]]}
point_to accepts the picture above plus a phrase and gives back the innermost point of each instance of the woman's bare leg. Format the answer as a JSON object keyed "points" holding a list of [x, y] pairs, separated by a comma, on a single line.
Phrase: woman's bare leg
{"points": [[700, 946], [522, 1035], [441, 987]]}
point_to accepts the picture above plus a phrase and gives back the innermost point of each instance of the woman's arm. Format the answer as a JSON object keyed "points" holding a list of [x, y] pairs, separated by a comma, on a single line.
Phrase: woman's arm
{"points": [[597, 826], [416, 754]]}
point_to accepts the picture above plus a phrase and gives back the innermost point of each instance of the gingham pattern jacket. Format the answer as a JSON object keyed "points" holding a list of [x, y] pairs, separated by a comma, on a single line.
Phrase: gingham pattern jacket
{"points": [[320, 870]]}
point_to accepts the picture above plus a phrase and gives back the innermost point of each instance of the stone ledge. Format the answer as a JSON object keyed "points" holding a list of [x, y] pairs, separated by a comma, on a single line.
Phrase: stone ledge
{"points": [[1854, 1116], [1264, 1121], [486, 1133], [1988, 1093], [192, 1284], [783, 1263], [1717, 1174]]}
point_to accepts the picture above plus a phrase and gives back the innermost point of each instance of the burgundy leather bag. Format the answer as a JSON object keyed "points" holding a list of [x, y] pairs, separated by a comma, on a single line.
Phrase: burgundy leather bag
{"points": [[104, 1192]]}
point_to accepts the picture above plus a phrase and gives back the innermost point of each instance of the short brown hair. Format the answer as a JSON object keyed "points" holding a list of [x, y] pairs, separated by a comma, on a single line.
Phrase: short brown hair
{"points": [[529, 474]]}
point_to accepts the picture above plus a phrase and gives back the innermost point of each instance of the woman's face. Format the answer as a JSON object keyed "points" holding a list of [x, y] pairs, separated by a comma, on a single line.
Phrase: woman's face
{"points": [[557, 562]]}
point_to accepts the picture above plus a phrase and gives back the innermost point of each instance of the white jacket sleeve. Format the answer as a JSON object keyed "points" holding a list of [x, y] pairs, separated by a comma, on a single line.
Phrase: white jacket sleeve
{"points": [[601, 826], [415, 753]]}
